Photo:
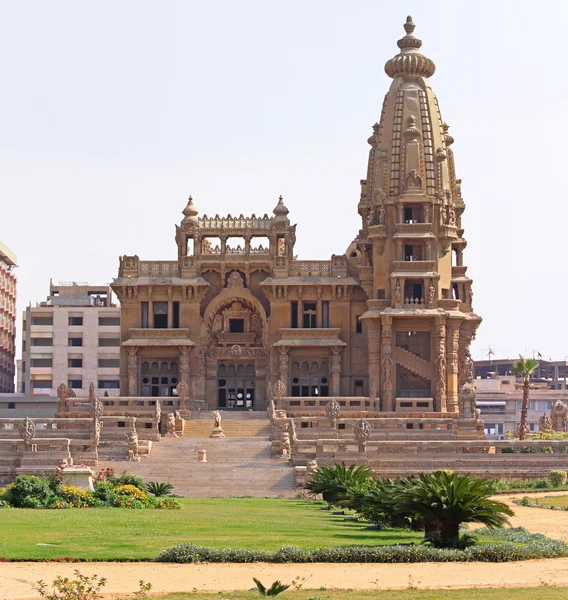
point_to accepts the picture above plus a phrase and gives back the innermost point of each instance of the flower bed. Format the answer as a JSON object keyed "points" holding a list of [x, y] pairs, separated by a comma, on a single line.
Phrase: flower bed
{"points": [[518, 544]]}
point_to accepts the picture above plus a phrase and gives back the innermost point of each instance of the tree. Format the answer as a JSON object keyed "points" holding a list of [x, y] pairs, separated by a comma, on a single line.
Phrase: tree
{"points": [[449, 500], [333, 481], [524, 368]]}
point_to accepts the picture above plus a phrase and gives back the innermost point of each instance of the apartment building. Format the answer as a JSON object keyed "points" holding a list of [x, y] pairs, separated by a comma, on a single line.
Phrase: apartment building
{"points": [[8, 263], [73, 338]]}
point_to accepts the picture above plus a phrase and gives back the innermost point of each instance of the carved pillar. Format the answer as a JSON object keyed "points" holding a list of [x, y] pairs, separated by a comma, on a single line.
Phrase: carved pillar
{"points": [[150, 309], [284, 366], [247, 244], [440, 403], [184, 365], [132, 371], [453, 336], [374, 342], [387, 364], [465, 362], [336, 371], [170, 308]]}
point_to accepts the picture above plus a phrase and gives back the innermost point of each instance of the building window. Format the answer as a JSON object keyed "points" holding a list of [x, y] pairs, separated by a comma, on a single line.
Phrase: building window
{"points": [[11, 405], [41, 384], [109, 321], [325, 313], [41, 362], [75, 341], [42, 341], [358, 387], [75, 363], [310, 379], [107, 384], [42, 320], [109, 363], [175, 316], [236, 325], [144, 317], [309, 320], [358, 324], [294, 314], [75, 384], [105, 342], [76, 321], [160, 315]]}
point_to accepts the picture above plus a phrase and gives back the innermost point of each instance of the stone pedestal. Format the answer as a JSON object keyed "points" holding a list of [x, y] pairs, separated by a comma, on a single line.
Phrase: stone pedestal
{"points": [[202, 456], [217, 433], [81, 477]]}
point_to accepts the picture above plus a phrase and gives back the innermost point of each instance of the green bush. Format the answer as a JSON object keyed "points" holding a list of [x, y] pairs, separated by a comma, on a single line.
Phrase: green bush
{"points": [[517, 544], [542, 483], [4, 504], [127, 479], [160, 489], [28, 491], [104, 491], [557, 478]]}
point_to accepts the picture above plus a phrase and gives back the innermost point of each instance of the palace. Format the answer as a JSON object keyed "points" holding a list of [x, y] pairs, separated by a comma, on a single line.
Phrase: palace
{"points": [[389, 320]]}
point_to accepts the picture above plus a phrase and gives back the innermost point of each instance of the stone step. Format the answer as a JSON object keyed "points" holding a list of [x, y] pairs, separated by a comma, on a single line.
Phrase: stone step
{"points": [[235, 467], [238, 428]]}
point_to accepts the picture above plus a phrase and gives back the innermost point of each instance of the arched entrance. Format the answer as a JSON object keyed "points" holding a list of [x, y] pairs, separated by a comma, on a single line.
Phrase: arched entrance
{"points": [[236, 386], [159, 378]]}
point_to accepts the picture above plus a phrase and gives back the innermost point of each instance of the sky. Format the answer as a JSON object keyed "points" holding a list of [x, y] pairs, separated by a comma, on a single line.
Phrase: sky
{"points": [[113, 113]]}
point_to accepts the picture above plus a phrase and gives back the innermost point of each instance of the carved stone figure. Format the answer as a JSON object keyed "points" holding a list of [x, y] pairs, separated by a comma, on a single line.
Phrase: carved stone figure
{"points": [[235, 281], [278, 390], [171, 425], [133, 446], [431, 295], [158, 413], [544, 423], [285, 445], [362, 431], [467, 401], [97, 425], [27, 430], [413, 180], [332, 410], [182, 390], [558, 416], [96, 404], [217, 429], [397, 293], [382, 215], [62, 395]]}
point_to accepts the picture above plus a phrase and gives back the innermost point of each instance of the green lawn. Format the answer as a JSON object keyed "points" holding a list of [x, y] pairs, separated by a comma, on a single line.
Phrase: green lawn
{"points": [[552, 501], [541, 593], [120, 534]]}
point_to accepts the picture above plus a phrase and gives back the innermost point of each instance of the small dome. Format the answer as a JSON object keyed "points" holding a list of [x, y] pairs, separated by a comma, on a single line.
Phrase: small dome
{"points": [[281, 210], [410, 62], [190, 211]]}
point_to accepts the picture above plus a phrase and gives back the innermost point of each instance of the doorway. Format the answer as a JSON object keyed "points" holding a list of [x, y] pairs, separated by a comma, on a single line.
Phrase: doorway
{"points": [[236, 386]]}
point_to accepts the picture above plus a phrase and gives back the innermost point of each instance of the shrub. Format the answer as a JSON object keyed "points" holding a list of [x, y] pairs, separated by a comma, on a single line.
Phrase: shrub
{"points": [[130, 490], [160, 489], [517, 544], [4, 504], [274, 590], [104, 491], [6, 493], [28, 491], [542, 483], [557, 478], [333, 481], [76, 496], [127, 479], [168, 503]]}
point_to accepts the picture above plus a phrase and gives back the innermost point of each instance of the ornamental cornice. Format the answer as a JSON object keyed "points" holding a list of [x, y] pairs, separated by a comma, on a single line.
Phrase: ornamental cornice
{"points": [[331, 333], [140, 333], [236, 351]]}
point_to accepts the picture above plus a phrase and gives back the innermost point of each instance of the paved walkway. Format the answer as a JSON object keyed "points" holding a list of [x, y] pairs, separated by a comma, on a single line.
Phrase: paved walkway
{"points": [[17, 579]]}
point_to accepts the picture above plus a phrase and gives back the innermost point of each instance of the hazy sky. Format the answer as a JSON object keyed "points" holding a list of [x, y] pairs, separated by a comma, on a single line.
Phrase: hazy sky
{"points": [[114, 112]]}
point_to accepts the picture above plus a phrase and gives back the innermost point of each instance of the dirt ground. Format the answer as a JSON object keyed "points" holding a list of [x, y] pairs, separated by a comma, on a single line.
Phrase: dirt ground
{"points": [[17, 579]]}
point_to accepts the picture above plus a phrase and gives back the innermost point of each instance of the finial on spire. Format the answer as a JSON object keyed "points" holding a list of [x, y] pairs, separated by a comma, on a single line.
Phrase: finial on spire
{"points": [[190, 211], [409, 63], [409, 26]]}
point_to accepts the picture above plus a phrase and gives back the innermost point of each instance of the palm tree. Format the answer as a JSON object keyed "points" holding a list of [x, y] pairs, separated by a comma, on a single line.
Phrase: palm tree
{"points": [[449, 500], [524, 368], [160, 489], [333, 481]]}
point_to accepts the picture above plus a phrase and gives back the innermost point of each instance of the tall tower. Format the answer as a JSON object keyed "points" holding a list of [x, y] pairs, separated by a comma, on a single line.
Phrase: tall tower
{"points": [[420, 319]]}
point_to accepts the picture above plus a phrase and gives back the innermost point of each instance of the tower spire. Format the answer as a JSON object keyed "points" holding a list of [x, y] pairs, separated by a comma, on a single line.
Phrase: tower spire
{"points": [[410, 63]]}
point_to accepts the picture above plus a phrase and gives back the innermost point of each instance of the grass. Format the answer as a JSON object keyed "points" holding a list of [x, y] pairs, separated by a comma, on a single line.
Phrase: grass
{"points": [[560, 501], [121, 534], [541, 593]]}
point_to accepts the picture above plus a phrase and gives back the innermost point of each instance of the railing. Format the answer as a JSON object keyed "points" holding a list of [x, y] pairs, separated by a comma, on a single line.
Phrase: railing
{"points": [[153, 268], [310, 267], [292, 404]]}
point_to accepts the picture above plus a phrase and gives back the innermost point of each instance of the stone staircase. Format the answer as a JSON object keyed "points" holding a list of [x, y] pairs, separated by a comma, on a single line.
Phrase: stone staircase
{"points": [[237, 465], [413, 363]]}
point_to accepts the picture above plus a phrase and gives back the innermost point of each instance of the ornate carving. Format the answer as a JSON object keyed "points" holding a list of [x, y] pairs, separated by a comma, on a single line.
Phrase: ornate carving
{"points": [[278, 390], [229, 352], [235, 281], [558, 416], [332, 410], [133, 446], [362, 431], [182, 390], [158, 413], [544, 423], [171, 425], [27, 430], [467, 404], [441, 378], [97, 426], [96, 404], [62, 393], [413, 180]]}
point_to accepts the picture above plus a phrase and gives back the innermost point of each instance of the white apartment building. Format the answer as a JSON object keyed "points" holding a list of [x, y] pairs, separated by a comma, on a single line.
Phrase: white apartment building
{"points": [[73, 338]]}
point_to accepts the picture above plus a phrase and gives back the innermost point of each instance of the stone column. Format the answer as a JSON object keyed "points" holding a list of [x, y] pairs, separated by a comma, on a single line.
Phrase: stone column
{"points": [[132, 371], [387, 364], [453, 337], [284, 367], [184, 366], [150, 309], [336, 371], [440, 404], [374, 344]]}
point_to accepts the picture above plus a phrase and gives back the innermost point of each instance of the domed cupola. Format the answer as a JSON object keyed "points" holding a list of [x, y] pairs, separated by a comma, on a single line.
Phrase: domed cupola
{"points": [[410, 63], [190, 212]]}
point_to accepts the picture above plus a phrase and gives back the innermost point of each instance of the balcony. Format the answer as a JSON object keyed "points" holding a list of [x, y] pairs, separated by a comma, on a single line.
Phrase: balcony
{"points": [[414, 265], [240, 339], [412, 229]]}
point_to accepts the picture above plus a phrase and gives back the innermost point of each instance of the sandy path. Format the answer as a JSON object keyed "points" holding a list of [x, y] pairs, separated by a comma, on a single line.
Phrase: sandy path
{"points": [[17, 579]]}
